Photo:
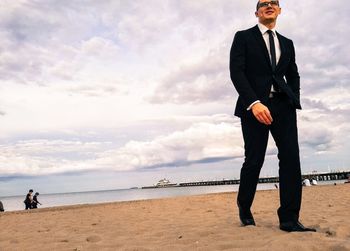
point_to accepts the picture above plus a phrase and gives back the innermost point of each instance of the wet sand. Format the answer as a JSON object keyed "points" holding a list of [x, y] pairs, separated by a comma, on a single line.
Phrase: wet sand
{"points": [[204, 222]]}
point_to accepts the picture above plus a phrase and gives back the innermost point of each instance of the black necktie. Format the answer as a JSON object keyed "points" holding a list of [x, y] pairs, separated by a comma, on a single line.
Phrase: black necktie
{"points": [[273, 57]]}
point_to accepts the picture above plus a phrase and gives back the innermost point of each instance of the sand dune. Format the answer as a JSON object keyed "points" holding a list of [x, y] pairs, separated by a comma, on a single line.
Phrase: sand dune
{"points": [[204, 222]]}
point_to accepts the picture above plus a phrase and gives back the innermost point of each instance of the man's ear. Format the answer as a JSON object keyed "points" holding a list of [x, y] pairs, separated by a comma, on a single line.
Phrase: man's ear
{"points": [[256, 14]]}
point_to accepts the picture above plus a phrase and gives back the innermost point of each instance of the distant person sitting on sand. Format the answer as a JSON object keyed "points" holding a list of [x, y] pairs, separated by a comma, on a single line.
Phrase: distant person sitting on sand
{"points": [[29, 200], [35, 200], [1, 207]]}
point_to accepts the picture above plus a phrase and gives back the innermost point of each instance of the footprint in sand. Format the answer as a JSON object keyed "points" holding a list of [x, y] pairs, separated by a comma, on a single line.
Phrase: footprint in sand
{"points": [[93, 238], [341, 248], [330, 232]]}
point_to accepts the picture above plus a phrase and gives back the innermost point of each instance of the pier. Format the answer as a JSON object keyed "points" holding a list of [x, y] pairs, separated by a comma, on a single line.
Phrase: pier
{"points": [[341, 175], [316, 176]]}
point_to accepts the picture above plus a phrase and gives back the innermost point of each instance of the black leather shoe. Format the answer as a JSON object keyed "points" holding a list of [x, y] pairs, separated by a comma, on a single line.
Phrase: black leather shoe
{"points": [[246, 217], [295, 226]]}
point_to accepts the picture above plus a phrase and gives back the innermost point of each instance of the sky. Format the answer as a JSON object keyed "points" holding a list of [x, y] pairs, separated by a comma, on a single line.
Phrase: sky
{"points": [[114, 94]]}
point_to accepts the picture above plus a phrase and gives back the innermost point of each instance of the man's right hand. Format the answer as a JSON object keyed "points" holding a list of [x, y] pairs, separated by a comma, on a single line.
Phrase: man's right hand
{"points": [[262, 113]]}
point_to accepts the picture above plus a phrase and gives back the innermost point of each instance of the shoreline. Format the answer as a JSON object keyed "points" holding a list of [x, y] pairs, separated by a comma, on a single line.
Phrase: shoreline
{"points": [[136, 201], [13, 203]]}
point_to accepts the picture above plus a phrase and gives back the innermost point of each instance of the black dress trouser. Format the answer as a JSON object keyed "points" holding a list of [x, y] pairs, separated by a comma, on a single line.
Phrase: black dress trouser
{"points": [[284, 133]]}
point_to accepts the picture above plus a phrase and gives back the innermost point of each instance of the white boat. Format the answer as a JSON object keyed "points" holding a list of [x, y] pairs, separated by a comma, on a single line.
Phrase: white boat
{"points": [[164, 183]]}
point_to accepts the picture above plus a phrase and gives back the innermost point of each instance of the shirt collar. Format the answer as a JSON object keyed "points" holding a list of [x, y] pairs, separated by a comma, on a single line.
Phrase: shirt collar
{"points": [[263, 29]]}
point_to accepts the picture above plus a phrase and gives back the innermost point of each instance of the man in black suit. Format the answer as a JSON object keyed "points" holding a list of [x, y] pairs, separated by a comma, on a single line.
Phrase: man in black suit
{"points": [[265, 75]]}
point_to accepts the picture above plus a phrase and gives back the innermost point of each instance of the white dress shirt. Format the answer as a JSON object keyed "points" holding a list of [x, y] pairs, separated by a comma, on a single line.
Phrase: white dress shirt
{"points": [[263, 29]]}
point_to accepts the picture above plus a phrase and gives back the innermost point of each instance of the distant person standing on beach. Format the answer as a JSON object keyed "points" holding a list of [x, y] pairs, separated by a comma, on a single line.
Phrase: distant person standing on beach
{"points": [[35, 200], [29, 200], [265, 75]]}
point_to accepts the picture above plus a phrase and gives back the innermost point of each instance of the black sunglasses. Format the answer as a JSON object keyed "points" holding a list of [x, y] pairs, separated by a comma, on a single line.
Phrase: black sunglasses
{"points": [[266, 4]]}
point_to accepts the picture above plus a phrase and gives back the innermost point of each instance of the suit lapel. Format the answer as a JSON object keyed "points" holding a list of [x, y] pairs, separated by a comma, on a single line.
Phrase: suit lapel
{"points": [[260, 40], [283, 50]]}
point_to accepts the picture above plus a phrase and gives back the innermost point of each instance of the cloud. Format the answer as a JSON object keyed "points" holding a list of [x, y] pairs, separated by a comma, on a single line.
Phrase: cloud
{"points": [[326, 107], [321, 49], [56, 49], [323, 129], [205, 81], [145, 24], [200, 143], [319, 138], [38, 157], [195, 144], [216, 140]]}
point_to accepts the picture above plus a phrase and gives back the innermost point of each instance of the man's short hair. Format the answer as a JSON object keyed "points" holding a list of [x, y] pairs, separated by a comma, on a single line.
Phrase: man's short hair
{"points": [[257, 5], [31, 190]]}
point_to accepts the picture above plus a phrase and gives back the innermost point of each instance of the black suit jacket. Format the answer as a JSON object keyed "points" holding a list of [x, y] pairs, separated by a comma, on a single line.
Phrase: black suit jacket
{"points": [[251, 71]]}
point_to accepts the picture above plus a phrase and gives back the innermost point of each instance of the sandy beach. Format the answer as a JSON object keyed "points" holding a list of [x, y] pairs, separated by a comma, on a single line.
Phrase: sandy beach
{"points": [[204, 222]]}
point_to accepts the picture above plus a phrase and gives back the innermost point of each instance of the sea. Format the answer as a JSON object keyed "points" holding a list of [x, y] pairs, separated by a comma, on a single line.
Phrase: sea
{"points": [[15, 203]]}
